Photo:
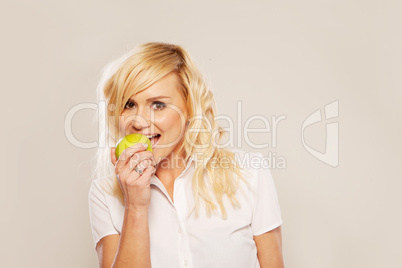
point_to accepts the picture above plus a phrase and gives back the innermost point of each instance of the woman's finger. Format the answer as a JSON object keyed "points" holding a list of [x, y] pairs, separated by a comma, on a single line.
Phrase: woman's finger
{"points": [[139, 156], [147, 173], [127, 153], [141, 161], [113, 156], [143, 164]]}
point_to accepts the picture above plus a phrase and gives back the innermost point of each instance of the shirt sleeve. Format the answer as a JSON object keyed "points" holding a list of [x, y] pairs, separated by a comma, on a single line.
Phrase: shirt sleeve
{"points": [[99, 215], [266, 210]]}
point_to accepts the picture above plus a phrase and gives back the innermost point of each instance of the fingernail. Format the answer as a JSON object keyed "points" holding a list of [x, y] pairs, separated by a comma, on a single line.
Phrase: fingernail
{"points": [[145, 145]]}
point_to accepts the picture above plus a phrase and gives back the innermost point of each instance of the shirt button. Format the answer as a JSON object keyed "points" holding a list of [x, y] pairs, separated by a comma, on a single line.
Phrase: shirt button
{"points": [[185, 262]]}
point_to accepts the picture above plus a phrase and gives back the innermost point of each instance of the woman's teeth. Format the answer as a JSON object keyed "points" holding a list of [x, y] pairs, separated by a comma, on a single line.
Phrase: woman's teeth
{"points": [[152, 136]]}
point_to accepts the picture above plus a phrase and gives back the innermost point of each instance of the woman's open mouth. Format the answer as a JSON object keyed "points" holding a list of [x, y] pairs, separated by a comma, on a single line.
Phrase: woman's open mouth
{"points": [[155, 139]]}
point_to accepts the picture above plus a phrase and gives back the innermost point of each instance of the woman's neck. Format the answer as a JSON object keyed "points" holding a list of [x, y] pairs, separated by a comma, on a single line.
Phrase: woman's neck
{"points": [[170, 167]]}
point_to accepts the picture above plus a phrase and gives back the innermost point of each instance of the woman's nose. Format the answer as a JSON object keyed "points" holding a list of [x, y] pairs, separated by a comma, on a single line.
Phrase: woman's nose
{"points": [[141, 121]]}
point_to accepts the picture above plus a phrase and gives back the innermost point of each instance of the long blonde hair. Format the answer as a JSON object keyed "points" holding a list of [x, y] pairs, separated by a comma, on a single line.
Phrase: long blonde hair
{"points": [[136, 71]]}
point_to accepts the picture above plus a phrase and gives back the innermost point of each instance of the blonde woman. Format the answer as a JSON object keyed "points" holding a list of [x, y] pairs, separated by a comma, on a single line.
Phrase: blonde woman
{"points": [[190, 202]]}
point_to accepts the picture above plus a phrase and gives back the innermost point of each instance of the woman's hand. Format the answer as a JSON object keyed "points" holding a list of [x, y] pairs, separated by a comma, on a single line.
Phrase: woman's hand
{"points": [[136, 188]]}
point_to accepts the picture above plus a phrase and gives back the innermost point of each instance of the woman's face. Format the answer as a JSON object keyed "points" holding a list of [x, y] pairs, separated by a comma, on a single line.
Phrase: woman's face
{"points": [[159, 109]]}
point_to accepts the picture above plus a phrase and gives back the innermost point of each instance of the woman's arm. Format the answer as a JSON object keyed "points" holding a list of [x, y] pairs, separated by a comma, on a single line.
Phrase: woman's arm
{"points": [[269, 249], [107, 249], [131, 248]]}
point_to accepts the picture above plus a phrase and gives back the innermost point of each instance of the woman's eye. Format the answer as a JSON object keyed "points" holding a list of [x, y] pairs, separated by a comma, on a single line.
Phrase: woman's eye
{"points": [[129, 105], [159, 105], [156, 105]]}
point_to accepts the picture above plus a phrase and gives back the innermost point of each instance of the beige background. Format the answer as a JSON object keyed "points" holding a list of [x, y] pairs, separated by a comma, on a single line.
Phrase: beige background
{"points": [[277, 57]]}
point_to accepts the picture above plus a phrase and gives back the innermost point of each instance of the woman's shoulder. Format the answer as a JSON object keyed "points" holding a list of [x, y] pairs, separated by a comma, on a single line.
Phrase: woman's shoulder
{"points": [[101, 191], [252, 165], [100, 186]]}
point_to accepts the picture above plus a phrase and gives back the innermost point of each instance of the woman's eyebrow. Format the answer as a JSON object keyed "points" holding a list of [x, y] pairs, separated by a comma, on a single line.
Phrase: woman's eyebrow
{"points": [[153, 98], [158, 97]]}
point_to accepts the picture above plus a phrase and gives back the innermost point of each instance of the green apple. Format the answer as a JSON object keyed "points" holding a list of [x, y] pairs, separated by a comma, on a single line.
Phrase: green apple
{"points": [[129, 141]]}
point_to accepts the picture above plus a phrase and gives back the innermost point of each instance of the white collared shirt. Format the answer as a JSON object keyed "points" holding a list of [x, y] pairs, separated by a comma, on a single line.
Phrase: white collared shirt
{"points": [[180, 241]]}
